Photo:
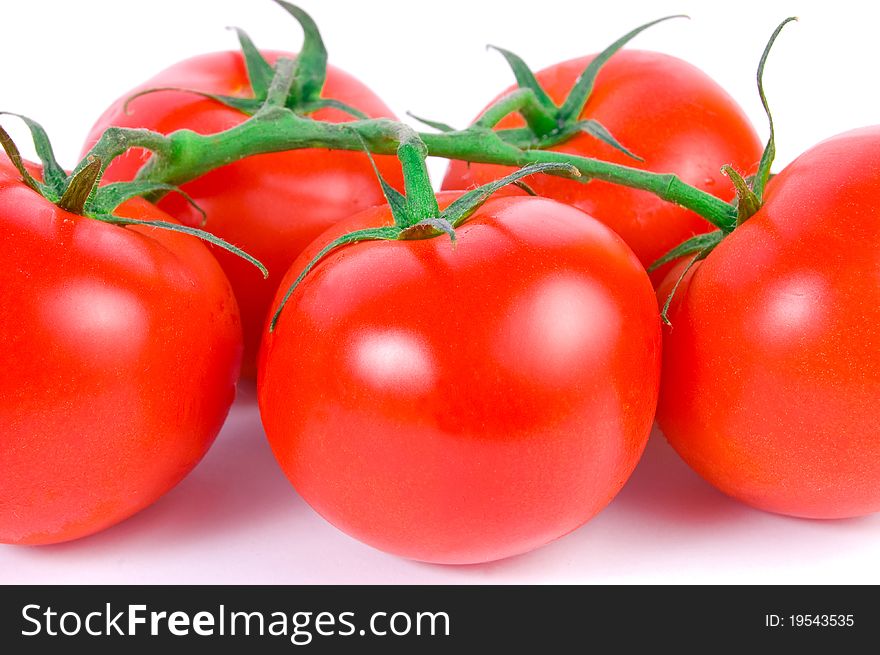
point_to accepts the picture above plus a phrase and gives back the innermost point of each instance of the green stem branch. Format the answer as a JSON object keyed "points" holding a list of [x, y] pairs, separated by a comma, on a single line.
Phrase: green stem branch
{"points": [[116, 141], [523, 101], [420, 198], [279, 88]]}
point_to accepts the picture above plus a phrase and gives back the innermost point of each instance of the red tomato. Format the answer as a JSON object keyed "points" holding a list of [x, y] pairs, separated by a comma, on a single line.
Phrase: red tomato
{"points": [[666, 111], [121, 350], [464, 402], [270, 205], [771, 376]]}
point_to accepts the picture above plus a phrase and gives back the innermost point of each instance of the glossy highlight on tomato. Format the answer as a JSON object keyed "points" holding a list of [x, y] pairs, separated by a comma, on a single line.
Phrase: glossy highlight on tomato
{"points": [[121, 349], [666, 111], [771, 375], [270, 205], [464, 402]]}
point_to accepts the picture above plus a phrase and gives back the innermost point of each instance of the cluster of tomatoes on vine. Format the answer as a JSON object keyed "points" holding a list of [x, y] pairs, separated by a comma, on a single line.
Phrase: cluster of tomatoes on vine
{"points": [[453, 377]]}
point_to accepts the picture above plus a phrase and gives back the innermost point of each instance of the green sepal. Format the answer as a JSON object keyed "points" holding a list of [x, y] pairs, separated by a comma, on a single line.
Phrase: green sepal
{"points": [[54, 177], [82, 186], [574, 104], [311, 63], [110, 196], [460, 210], [747, 203], [595, 129], [769, 154], [185, 229], [665, 311], [369, 234], [437, 125], [428, 229], [540, 114], [696, 244], [14, 155], [395, 199], [259, 70], [331, 103], [525, 78], [700, 246], [247, 106], [525, 187]]}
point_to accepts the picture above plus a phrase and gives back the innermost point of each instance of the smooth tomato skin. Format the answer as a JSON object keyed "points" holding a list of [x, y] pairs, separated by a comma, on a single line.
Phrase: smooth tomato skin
{"points": [[664, 110], [270, 205], [464, 403], [771, 376], [121, 349]]}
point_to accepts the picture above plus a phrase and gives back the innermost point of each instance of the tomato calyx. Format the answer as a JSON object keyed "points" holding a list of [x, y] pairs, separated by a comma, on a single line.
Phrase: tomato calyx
{"points": [[304, 94], [549, 124], [749, 193], [415, 213], [80, 192]]}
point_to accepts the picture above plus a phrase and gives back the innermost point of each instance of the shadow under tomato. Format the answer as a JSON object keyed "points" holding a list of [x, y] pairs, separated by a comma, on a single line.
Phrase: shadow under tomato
{"points": [[236, 487], [668, 524], [664, 488], [662, 497]]}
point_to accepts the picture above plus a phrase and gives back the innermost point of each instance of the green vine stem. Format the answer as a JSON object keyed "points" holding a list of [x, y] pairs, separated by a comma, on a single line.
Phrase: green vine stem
{"points": [[186, 155]]}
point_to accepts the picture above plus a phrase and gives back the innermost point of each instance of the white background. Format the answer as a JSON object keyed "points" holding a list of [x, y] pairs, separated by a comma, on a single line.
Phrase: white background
{"points": [[236, 519]]}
